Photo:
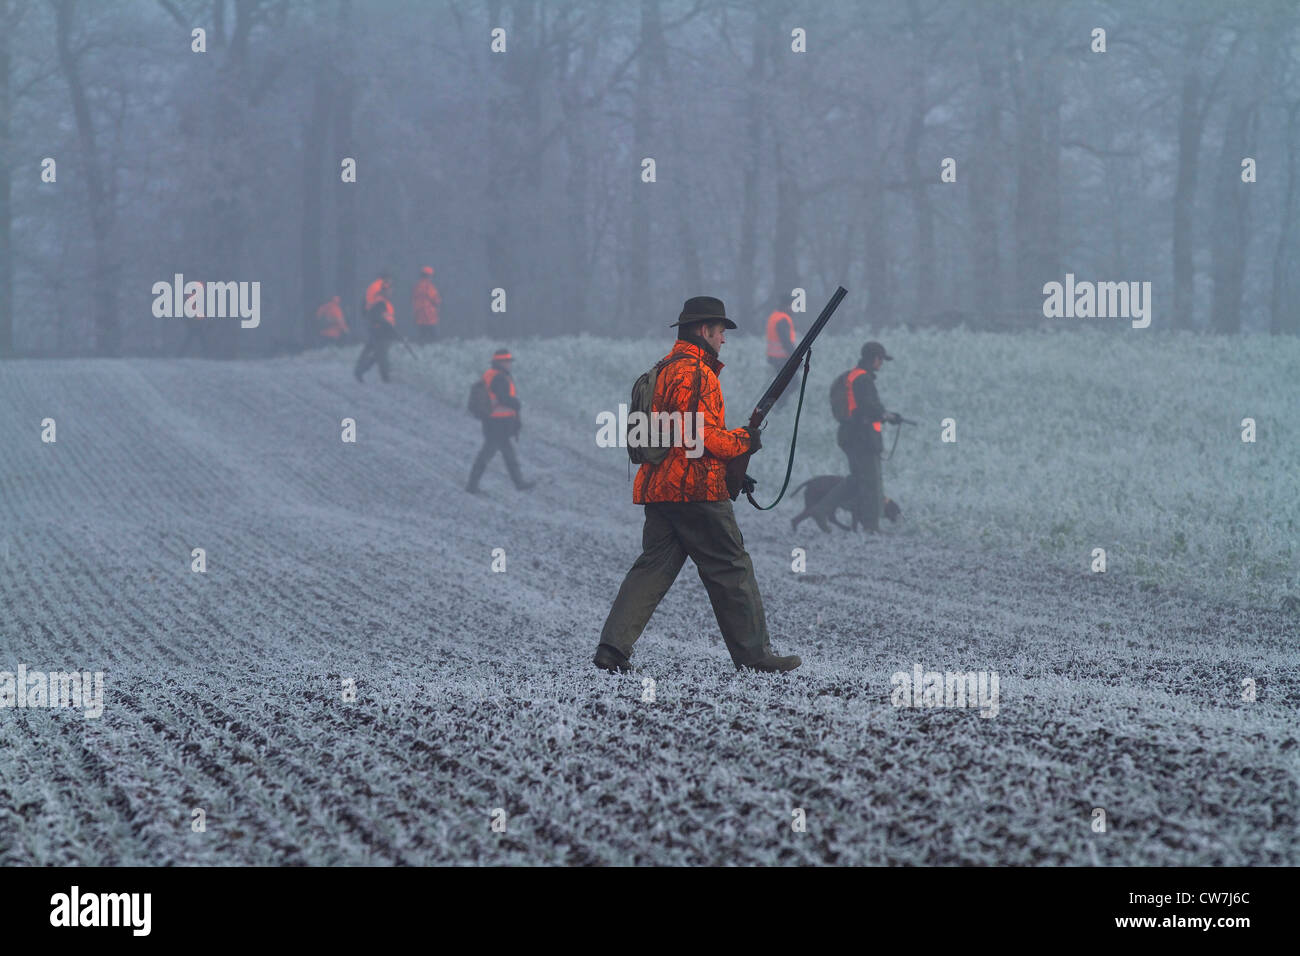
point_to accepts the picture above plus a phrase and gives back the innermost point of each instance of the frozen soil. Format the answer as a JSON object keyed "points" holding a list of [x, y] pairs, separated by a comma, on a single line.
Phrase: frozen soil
{"points": [[329, 562]]}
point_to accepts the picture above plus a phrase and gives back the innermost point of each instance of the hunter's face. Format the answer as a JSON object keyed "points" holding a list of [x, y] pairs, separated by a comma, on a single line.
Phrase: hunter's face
{"points": [[876, 363], [715, 333]]}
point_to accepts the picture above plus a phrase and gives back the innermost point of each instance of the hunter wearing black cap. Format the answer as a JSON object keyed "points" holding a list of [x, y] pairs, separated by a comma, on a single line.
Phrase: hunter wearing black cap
{"points": [[860, 437]]}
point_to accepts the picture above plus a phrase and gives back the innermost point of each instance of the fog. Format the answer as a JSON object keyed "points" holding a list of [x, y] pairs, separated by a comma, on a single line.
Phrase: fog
{"points": [[599, 162]]}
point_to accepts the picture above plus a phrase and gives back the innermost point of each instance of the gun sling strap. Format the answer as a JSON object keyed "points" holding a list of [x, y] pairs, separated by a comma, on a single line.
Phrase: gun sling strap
{"points": [[794, 437]]}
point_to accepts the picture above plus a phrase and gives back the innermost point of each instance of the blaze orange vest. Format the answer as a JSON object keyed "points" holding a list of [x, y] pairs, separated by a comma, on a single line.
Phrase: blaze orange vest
{"points": [[498, 410], [853, 402], [776, 348], [374, 295], [425, 301]]}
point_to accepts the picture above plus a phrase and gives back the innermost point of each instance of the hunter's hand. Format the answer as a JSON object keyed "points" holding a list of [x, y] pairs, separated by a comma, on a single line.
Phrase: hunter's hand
{"points": [[755, 442], [747, 486], [894, 418]]}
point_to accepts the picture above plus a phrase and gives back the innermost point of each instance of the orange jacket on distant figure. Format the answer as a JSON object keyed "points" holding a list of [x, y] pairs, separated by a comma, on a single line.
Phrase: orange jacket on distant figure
{"points": [[332, 315], [505, 399], [679, 477], [425, 301], [375, 294], [853, 398], [780, 335]]}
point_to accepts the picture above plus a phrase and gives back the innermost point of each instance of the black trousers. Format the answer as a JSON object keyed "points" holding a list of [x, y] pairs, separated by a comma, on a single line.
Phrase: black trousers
{"points": [[376, 349], [497, 433], [861, 492]]}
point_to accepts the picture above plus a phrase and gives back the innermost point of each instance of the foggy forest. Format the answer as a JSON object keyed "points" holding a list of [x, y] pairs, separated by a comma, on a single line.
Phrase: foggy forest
{"points": [[794, 144]]}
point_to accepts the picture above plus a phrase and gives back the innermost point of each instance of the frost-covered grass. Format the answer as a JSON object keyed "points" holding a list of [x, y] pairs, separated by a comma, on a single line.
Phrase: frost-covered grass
{"points": [[1128, 441], [475, 690]]}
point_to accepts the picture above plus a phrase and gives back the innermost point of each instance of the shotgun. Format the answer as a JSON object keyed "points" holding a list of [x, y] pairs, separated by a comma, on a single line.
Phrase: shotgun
{"points": [[736, 466]]}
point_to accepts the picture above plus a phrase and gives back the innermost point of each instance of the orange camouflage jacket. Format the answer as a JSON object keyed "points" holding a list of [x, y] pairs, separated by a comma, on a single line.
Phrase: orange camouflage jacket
{"points": [[678, 477]]}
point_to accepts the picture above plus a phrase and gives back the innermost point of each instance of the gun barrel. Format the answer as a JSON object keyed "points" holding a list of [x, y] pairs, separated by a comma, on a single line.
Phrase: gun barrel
{"points": [[736, 466], [791, 366]]}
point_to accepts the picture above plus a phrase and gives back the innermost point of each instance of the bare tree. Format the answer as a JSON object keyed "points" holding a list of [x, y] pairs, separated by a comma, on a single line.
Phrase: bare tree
{"points": [[1036, 70], [8, 18], [1284, 314], [346, 226], [315, 170], [101, 183]]}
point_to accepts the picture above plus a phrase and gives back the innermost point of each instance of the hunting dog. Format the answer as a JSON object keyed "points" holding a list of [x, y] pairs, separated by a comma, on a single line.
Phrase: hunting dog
{"points": [[815, 489]]}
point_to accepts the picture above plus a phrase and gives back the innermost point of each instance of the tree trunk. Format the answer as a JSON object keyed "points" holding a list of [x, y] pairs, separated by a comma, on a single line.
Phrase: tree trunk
{"points": [[6, 209], [636, 298], [1231, 228], [880, 295], [108, 333], [749, 178], [1037, 204], [785, 240], [575, 279], [919, 174], [986, 259], [345, 206], [513, 122], [315, 167], [1190, 127], [692, 270], [529, 184], [217, 35], [1284, 316]]}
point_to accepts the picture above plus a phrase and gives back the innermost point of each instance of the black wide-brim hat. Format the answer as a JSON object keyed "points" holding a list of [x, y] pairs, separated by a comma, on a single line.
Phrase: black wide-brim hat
{"points": [[703, 308]]}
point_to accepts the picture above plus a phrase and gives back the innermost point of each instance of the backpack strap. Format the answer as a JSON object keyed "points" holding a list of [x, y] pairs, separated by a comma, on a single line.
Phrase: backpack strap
{"points": [[659, 367], [695, 407]]}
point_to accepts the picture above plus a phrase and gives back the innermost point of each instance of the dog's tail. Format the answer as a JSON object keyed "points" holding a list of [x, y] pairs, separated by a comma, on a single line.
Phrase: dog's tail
{"points": [[800, 488]]}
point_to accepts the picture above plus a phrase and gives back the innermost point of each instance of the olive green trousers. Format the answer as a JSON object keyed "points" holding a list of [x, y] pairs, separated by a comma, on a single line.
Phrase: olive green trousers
{"points": [[707, 533]]}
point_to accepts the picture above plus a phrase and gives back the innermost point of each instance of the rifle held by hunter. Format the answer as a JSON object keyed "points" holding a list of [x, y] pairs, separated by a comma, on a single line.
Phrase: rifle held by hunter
{"points": [[737, 466]]}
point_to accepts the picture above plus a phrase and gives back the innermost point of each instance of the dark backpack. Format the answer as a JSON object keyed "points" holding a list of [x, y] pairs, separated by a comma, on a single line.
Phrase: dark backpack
{"points": [[480, 402], [643, 393], [840, 397]]}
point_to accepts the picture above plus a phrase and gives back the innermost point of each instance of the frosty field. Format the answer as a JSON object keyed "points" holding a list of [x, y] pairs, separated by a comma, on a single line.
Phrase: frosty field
{"points": [[329, 561]]}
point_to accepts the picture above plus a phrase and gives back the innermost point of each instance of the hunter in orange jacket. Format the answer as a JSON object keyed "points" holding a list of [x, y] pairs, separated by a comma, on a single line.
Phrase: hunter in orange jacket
{"points": [[330, 318], [378, 302], [377, 307], [688, 512], [780, 337], [425, 301], [679, 477]]}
